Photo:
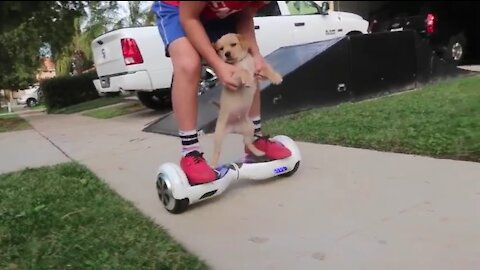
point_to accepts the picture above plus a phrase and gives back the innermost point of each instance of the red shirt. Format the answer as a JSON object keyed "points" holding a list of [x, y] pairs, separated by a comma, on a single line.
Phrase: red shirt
{"points": [[221, 9]]}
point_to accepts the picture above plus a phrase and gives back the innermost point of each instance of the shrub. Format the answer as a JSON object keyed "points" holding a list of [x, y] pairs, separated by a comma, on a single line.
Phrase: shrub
{"points": [[64, 91]]}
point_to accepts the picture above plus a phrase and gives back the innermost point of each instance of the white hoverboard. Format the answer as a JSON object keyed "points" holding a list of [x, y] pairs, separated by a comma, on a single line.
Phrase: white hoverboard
{"points": [[176, 193]]}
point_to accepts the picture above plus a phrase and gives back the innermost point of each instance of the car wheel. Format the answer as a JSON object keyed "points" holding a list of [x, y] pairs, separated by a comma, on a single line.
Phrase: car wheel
{"points": [[31, 102], [155, 100], [456, 49]]}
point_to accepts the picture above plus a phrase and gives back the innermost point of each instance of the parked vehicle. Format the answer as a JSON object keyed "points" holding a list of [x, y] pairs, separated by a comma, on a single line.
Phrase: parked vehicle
{"points": [[443, 23], [133, 59], [31, 96]]}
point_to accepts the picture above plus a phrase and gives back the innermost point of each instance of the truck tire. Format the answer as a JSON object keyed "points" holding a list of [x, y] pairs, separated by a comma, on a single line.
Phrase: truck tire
{"points": [[155, 100], [456, 48], [31, 102]]}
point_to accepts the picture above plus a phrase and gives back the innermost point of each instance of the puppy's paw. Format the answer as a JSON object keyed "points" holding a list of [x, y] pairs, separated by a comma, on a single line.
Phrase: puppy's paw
{"points": [[276, 78], [249, 84], [255, 151], [259, 153]]}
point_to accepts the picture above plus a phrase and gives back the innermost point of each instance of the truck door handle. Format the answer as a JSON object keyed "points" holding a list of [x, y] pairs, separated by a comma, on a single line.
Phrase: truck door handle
{"points": [[257, 27], [299, 24]]}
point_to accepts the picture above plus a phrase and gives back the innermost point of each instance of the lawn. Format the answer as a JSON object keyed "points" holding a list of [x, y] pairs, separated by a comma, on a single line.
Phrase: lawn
{"points": [[64, 217], [40, 107], [12, 122], [440, 120], [117, 110], [88, 105]]}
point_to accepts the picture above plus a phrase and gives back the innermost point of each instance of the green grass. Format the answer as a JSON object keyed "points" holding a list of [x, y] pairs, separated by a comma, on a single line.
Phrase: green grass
{"points": [[12, 122], [88, 105], [64, 217], [441, 120], [40, 107], [115, 111]]}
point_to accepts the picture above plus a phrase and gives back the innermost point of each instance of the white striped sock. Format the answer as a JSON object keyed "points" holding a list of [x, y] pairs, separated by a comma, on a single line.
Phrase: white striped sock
{"points": [[257, 122], [189, 141]]}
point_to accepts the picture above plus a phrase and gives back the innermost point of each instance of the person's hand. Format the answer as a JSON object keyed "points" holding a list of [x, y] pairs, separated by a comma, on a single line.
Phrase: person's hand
{"points": [[225, 73]]}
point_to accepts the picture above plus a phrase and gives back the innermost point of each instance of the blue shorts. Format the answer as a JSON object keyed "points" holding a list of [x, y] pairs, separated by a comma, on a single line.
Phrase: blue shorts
{"points": [[168, 23]]}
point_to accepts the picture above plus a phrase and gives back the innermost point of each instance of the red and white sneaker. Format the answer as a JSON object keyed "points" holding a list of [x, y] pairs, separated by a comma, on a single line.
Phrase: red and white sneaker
{"points": [[197, 169], [273, 150]]}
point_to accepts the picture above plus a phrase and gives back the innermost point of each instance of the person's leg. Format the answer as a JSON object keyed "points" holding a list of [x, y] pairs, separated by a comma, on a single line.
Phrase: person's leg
{"points": [[186, 69], [255, 113]]}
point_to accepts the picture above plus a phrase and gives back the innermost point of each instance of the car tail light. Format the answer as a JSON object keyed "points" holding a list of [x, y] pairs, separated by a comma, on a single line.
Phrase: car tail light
{"points": [[370, 27], [131, 53], [430, 23]]}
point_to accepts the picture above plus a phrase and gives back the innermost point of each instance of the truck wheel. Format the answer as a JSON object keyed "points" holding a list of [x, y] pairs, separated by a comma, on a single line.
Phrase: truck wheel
{"points": [[354, 33], [31, 102], [456, 49], [155, 100]]}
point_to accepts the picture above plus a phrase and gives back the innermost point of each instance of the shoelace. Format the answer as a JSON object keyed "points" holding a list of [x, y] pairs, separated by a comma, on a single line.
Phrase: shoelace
{"points": [[197, 158], [265, 138]]}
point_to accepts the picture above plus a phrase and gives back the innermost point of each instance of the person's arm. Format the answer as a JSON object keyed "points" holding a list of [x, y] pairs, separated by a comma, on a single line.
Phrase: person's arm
{"points": [[190, 20], [246, 28]]}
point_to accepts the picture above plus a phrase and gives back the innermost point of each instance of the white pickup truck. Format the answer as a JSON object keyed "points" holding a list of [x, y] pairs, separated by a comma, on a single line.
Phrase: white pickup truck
{"points": [[133, 59]]}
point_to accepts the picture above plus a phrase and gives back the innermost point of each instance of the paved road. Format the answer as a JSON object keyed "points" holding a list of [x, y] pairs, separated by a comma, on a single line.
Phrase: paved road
{"points": [[345, 209]]}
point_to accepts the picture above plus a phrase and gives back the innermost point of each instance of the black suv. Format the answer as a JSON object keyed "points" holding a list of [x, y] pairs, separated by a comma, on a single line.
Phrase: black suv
{"points": [[446, 24]]}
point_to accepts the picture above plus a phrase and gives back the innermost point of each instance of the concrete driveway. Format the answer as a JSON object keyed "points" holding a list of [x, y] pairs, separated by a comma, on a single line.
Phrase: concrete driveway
{"points": [[345, 208]]}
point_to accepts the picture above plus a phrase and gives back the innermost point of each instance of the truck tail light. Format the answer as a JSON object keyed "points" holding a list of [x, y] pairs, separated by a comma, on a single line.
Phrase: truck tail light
{"points": [[130, 51], [430, 23], [371, 25]]}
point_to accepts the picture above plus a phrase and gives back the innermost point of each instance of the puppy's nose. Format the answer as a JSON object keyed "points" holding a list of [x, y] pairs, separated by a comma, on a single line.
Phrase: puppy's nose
{"points": [[227, 54]]}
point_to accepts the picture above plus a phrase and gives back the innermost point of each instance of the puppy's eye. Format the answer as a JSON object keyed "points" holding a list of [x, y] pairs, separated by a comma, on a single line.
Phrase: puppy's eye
{"points": [[221, 49], [233, 44]]}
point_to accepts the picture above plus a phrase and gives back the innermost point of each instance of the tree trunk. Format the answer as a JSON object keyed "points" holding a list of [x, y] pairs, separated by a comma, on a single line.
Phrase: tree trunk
{"points": [[10, 100]]}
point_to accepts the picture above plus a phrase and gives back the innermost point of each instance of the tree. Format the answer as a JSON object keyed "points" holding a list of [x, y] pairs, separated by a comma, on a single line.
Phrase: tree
{"points": [[100, 17], [76, 55], [28, 26], [67, 27], [137, 15], [14, 13]]}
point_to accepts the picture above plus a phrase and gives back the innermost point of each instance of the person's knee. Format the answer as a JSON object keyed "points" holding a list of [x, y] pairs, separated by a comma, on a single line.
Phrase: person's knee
{"points": [[186, 60], [188, 68]]}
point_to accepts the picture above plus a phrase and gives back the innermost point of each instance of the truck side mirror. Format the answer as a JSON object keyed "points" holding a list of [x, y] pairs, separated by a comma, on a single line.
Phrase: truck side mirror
{"points": [[325, 7]]}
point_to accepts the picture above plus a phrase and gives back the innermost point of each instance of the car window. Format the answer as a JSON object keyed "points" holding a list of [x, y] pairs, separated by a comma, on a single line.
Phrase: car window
{"points": [[271, 9], [302, 7]]}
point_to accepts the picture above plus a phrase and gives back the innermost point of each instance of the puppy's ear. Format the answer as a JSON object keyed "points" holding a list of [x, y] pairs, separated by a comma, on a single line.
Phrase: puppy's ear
{"points": [[243, 42]]}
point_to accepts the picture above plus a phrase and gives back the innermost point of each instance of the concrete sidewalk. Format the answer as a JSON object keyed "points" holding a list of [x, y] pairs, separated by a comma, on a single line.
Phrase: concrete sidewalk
{"points": [[345, 208], [27, 148]]}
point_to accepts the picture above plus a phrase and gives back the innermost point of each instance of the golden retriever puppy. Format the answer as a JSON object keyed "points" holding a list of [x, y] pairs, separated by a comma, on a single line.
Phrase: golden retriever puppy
{"points": [[234, 105]]}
